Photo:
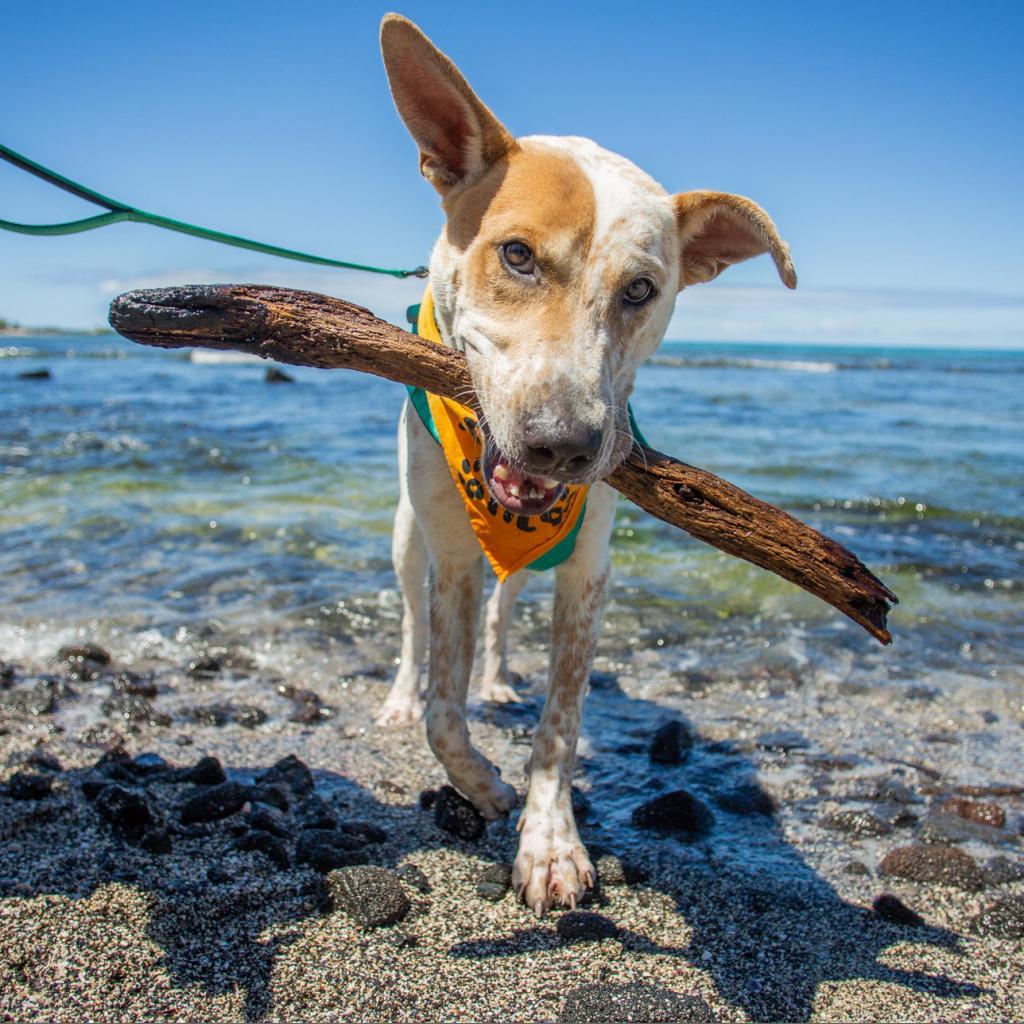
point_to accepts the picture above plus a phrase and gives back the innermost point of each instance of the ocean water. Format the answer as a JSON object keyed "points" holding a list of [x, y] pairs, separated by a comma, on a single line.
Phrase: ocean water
{"points": [[144, 494]]}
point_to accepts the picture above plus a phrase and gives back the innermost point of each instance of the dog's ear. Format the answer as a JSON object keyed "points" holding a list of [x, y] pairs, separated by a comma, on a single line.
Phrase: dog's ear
{"points": [[457, 135], [717, 229]]}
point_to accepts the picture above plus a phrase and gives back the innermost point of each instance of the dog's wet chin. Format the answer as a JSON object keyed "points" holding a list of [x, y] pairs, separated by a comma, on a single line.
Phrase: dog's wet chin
{"points": [[525, 494]]}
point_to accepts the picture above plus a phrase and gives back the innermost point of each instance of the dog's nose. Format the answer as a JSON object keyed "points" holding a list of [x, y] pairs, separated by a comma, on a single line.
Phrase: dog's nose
{"points": [[560, 452]]}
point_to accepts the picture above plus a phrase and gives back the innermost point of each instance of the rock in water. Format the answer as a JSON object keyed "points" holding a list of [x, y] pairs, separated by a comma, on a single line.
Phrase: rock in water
{"points": [[455, 814], [1003, 919], [671, 744], [635, 1003], [980, 813], [856, 823], [941, 864], [676, 812], [372, 896], [211, 803]]}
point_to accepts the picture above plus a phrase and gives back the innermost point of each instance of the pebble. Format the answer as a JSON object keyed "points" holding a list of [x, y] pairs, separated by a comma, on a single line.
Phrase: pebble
{"points": [[365, 831], [211, 803], [269, 845], [1002, 871], [635, 1003], [746, 798], [325, 851], [207, 771], [887, 790], [372, 896], [414, 876], [949, 828], [275, 795], [783, 742], [36, 700], [246, 715], [671, 744], [290, 772], [315, 812], [204, 666], [156, 840], [77, 654], [1003, 919], [495, 880], [891, 908], [147, 763], [585, 926], [309, 708], [454, 814], [127, 810], [856, 867], [137, 684], [989, 814], [28, 786], [265, 818], [857, 823], [134, 709], [37, 758], [945, 865], [676, 812]]}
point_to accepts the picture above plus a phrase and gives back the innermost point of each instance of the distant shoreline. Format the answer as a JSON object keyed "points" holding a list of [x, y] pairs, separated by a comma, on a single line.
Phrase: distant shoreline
{"points": [[29, 332]]}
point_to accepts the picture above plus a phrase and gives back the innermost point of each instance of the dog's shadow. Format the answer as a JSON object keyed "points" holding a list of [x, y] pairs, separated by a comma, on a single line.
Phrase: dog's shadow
{"points": [[752, 913]]}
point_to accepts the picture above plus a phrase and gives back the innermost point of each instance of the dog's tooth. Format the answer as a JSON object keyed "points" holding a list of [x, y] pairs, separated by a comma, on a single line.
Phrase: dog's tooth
{"points": [[501, 472], [513, 489], [549, 483]]}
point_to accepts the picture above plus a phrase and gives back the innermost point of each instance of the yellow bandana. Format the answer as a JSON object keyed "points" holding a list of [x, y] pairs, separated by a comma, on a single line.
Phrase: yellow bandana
{"points": [[510, 542]]}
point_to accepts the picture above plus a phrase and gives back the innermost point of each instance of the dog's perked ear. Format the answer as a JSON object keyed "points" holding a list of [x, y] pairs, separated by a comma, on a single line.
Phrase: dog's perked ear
{"points": [[457, 135], [717, 229]]}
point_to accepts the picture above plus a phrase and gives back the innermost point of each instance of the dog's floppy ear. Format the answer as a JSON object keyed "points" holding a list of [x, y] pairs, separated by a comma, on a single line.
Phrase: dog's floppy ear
{"points": [[717, 229], [457, 135]]}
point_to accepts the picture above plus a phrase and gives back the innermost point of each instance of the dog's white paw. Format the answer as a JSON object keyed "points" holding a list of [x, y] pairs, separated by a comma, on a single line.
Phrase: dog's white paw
{"points": [[551, 872], [399, 713], [499, 692]]}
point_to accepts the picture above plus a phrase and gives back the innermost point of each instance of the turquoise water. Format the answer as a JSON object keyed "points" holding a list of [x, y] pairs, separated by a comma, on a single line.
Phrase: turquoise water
{"points": [[142, 490]]}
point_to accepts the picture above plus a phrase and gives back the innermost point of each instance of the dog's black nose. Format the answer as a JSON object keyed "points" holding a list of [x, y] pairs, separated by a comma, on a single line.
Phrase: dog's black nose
{"points": [[560, 451]]}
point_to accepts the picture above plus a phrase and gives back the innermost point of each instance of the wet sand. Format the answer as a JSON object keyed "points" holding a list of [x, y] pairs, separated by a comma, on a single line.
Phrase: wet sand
{"points": [[765, 915]]}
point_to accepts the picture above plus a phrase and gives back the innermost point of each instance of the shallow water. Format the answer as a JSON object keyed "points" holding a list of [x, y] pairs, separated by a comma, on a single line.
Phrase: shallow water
{"points": [[142, 490]]}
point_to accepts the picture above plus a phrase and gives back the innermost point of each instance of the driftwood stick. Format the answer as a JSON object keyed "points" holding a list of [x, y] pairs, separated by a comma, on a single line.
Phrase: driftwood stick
{"points": [[306, 329]]}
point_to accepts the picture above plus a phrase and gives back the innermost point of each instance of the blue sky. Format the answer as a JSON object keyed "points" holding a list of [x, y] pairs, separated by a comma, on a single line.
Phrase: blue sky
{"points": [[884, 139]]}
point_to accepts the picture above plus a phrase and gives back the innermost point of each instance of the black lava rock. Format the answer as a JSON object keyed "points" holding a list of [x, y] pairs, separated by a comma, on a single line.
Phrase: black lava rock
{"points": [[290, 772], [147, 765], [495, 880], [275, 796], [36, 700], [782, 742], [218, 875], [326, 851], [365, 831], [204, 666], [946, 829], [35, 375], [270, 846], [372, 896], [276, 376], [414, 876], [746, 798], [584, 926], [427, 799], [676, 812], [127, 810], [1002, 870], [137, 684], [889, 791], [29, 786], [211, 803], [856, 823], [453, 813], [207, 771], [268, 819], [944, 865], [635, 1003], [315, 812], [1003, 919], [246, 715], [85, 650], [309, 708], [671, 743], [134, 709], [156, 840], [580, 804], [891, 908]]}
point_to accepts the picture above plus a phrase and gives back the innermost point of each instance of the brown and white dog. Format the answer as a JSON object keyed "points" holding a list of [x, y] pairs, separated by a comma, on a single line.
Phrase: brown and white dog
{"points": [[556, 274]]}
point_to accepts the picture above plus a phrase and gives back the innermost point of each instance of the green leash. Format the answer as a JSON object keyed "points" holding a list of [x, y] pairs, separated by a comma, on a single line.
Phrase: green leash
{"points": [[121, 211]]}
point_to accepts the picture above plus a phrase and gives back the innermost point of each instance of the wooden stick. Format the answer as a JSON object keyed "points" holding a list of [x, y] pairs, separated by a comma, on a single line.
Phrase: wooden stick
{"points": [[307, 329]]}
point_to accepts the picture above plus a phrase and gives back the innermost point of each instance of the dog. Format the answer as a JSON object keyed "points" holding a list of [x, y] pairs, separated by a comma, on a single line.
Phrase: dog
{"points": [[556, 274]]}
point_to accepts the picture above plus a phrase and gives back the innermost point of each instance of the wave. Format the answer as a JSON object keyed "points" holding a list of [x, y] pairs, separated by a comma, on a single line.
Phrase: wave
{"points": [[204, 356], [829, 366]]}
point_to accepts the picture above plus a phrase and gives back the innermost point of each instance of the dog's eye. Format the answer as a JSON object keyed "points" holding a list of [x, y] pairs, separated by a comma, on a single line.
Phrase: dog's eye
{"points": [[518, 256], [639, 291]]}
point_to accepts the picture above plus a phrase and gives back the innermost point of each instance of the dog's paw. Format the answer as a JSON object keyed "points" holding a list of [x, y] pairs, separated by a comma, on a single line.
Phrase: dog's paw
{"points": [[490, 796], [551, 873], [400, 713], [499, 692]]}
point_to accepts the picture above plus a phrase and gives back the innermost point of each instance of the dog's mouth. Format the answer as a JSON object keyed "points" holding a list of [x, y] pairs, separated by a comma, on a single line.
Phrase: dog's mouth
{"points": [[525, 494]]}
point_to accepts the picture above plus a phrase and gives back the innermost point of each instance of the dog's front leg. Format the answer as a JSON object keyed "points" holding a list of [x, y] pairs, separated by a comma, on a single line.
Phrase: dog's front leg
{"points": [[455, 595], [552, 863]]}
